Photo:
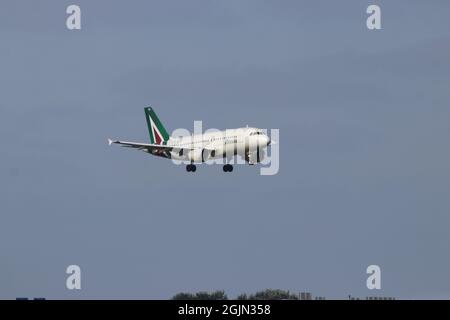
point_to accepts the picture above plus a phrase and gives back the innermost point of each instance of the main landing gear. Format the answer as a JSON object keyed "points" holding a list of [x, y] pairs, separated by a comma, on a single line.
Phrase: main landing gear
{"points": [[227, 168], [191, 168]]}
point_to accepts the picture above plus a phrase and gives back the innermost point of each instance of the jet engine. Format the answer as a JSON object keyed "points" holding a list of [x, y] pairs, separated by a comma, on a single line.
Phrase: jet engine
{"points": [[201, 155]]}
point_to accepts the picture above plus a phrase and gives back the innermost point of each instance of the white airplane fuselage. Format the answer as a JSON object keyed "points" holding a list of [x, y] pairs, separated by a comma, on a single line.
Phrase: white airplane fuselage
{"points": [[218, 144]]}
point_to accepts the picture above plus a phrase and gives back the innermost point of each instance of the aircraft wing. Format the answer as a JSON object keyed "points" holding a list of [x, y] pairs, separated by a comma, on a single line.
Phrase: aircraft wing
{"points": [[154, 149]]}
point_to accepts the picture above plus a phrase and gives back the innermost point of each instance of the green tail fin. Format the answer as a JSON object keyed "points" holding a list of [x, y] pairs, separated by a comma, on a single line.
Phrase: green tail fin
{"points": [[158, 134]]}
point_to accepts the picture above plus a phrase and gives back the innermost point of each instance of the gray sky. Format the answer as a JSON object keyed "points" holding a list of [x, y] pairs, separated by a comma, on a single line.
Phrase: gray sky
{"points": [[364, 141]]}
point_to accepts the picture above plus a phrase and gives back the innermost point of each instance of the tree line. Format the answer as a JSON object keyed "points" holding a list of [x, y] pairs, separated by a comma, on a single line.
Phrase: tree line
{"points": [[268, 294]]}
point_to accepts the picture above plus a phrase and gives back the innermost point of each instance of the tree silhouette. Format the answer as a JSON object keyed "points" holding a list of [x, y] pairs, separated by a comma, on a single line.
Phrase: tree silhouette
{"points": [[202, 295], [269, 294]]}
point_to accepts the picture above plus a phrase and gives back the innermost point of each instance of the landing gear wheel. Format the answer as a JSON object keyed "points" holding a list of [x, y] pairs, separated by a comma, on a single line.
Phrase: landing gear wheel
{"points": [[191, 168], [227, 168]]}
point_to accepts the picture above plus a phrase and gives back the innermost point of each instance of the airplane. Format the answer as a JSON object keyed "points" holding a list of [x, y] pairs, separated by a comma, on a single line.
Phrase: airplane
{"points": [[247, 142]]}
